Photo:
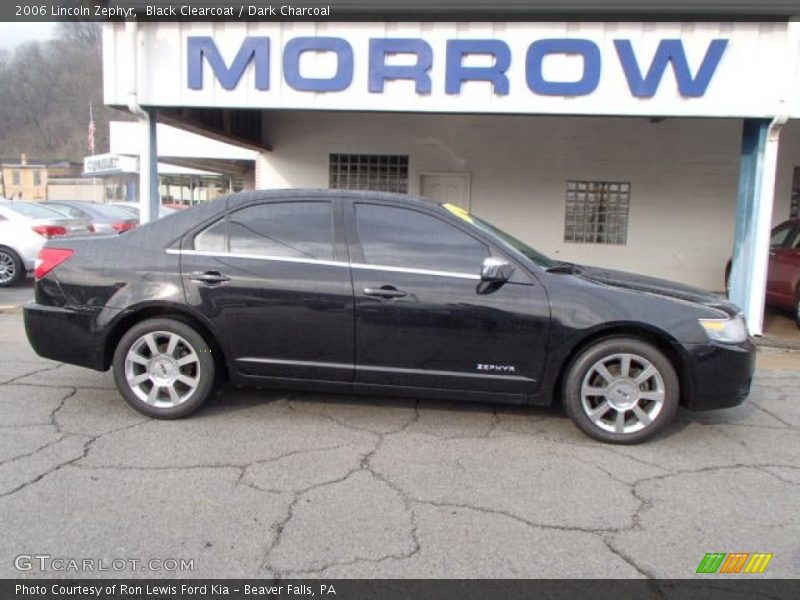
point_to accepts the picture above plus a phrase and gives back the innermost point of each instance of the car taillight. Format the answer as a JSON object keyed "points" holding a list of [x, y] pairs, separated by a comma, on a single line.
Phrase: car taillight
{"points": [[50, 231], [49, 259], [124, 226]]}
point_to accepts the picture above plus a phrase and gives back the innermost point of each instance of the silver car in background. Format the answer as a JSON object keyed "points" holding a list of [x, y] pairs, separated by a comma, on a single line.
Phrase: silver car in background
{"points": [[24, 228], [105, 218], [133, 209]]}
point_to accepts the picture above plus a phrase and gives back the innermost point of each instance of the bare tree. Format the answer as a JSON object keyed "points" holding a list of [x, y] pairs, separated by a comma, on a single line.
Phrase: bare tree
{"points": [[45, 92]]}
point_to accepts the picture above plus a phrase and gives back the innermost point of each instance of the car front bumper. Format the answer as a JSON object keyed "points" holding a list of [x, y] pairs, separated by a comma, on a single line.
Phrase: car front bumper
{"points": [[718, 375]]}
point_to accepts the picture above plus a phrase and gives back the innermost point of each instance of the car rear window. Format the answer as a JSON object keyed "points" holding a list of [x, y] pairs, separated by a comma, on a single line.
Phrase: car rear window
{"points": [[34, 211], [114, 212]]}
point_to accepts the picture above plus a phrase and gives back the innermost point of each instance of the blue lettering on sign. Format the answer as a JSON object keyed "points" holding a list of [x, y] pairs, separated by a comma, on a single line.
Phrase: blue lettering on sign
{"points": [[380, 72], [256, 50], [591, 67], [253, 48], [456, 72], [344, 64], [669, 51]]}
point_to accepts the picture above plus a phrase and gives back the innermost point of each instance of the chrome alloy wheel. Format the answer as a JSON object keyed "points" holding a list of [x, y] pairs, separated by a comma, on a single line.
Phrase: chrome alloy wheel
{"points": [[8, 268], [622, 393], [162, 369]]}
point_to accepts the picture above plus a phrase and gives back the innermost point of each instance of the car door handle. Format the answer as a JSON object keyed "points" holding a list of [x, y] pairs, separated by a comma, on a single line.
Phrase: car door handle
{"points": [[386, 292], [209, 277]]}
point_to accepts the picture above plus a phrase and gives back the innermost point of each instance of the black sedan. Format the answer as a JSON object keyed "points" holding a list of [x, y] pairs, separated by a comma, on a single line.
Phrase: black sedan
{"points": [[380, 294]]}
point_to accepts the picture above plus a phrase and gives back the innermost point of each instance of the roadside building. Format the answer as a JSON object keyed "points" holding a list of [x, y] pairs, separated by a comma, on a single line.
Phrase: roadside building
{"points": [[28, 178], [656, 147]]}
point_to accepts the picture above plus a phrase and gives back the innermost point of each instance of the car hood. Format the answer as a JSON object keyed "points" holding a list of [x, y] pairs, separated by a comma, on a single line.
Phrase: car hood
{"points": [[653, 285]]}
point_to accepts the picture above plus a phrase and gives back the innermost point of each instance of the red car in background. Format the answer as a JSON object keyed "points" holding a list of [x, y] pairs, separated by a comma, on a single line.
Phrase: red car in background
{"points": [[783, 276]]}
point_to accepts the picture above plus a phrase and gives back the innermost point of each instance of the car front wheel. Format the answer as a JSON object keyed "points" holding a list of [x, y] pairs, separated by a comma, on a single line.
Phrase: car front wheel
{"points": [[164, 368], [621, 390]]}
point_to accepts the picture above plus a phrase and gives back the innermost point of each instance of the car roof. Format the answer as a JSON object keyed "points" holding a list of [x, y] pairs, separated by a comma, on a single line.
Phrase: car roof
{"points": [[175, 224], [297, 194]]}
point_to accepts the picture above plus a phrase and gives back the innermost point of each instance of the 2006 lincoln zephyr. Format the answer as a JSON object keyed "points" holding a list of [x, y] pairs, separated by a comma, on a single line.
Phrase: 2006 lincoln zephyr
{"points": [[382, 294]]}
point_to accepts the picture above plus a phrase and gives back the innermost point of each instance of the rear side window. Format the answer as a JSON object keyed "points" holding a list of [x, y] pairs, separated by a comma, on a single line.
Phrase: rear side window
{"points": [[399, 237], [212, 238], [282, 230]]}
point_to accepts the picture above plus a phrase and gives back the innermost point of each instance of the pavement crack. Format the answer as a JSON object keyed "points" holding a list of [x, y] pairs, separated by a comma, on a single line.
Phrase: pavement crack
{"points": [[44, 446], [53, 421], [773, 415], [57, 467], [627, 559], [30, 373]]}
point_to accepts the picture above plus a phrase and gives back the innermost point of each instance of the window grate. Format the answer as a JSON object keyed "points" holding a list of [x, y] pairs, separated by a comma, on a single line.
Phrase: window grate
{"points": [[597, 212], [377, 172]]}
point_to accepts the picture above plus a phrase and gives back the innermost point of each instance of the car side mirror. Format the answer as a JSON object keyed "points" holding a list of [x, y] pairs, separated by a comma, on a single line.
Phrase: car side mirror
{"points": [[496, 270]]}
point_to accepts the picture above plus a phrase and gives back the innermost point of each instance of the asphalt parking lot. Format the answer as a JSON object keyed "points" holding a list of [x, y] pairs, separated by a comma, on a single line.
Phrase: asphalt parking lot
{"points": [[264, 484]]}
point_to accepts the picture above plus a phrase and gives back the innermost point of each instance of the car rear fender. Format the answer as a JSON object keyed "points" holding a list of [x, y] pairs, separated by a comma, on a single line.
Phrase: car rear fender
{"points": [[126, 319]]}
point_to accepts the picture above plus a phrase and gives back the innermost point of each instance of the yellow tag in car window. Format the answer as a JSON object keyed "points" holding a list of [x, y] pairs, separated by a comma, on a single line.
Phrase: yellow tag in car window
{"points": [[459, 212]]}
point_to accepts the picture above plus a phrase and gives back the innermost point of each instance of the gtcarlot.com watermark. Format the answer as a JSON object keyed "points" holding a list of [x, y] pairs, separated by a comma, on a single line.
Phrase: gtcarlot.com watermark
{"points": [[59, 564]]}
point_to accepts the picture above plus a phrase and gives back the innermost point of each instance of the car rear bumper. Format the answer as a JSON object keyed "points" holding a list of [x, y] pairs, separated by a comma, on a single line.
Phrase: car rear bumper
{"points": [[719, 375], [65, 334]]}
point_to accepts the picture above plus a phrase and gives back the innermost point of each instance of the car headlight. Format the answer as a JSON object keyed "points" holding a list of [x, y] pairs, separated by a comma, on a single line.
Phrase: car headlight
{"points": [[728, 331]]}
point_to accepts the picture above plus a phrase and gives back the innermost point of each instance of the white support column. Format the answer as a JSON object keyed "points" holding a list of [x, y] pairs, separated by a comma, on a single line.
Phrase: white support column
{"points": [[148, 170], [762, 230], [263, 172], [754, 218]]}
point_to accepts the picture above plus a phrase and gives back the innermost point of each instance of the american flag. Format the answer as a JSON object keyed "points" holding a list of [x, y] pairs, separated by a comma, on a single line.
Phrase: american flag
{"points": [[90, 133]]}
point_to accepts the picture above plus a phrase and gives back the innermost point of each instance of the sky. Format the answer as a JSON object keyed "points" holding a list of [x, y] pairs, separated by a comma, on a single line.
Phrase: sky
{"points": [[14, 34]]}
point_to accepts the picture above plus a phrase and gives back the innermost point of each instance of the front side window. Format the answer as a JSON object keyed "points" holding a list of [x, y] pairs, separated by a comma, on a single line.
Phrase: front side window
{"points": [[280, 230], [400, 237]]}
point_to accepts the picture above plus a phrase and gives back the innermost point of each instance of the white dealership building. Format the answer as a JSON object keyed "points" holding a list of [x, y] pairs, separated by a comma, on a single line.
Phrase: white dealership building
{"points": [[658, 147]]}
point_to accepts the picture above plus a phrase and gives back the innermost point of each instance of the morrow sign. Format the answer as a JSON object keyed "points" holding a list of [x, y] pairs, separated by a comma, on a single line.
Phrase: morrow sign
{"points": [[642, 82]]}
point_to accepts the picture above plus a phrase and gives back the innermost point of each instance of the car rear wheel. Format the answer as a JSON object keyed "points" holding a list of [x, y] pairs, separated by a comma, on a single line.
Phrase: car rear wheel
{"points": [[621, 390], [11, 267], [164, 368], [797, 308]]}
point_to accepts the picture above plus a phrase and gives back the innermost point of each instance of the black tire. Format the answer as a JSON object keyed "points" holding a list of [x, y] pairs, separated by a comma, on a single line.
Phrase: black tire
{"points": [[163, 370], [623, 392], [11, 267], [797, 308], [728, 281]]}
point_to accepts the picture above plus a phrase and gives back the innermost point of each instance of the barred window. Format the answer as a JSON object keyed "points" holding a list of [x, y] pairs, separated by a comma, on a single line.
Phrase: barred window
{"points": [[378, 172], [597, 212]]}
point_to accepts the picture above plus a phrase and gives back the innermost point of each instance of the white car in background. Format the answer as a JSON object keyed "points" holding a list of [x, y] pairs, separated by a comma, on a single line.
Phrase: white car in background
{"points": [[24, 228]]}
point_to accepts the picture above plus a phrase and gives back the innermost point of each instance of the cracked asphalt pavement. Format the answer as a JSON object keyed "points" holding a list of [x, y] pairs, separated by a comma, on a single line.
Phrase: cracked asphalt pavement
{"points": [[272, 484]]}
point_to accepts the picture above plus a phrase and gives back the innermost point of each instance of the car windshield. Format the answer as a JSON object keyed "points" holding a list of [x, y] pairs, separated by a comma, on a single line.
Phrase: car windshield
{"points": [[33, 211], [518, 245]]}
